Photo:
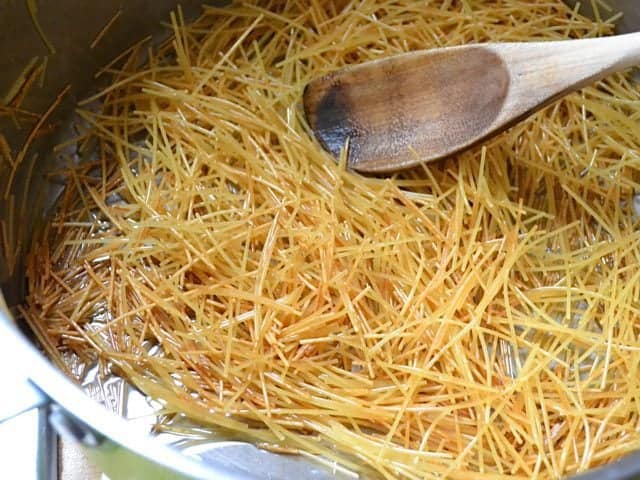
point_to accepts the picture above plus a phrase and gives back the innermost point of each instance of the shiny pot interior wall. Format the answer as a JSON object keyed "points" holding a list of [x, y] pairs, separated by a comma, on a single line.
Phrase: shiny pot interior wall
{"points": [[630, 22], [70, 26]]}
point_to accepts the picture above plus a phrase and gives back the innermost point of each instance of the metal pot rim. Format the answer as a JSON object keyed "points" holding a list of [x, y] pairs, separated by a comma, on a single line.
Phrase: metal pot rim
{"points": [[15, 349]]}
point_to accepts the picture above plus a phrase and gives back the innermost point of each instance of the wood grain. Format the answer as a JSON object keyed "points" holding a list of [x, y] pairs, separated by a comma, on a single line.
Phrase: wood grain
{"points": [[426, 105]]}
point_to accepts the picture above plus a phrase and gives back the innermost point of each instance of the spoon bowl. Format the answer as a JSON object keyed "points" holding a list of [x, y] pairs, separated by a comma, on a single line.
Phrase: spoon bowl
{"points": [[397, 112]]}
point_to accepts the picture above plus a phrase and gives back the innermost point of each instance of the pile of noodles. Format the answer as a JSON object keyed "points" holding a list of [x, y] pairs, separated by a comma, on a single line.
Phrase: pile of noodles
{"points": [[476, 317]]}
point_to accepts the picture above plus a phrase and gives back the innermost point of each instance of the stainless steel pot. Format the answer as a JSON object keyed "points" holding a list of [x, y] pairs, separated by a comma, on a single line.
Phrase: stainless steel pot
{"points": [[34, 382]]}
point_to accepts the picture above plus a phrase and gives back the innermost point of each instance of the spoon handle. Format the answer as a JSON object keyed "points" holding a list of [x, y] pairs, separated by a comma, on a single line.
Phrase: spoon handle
{"points": [[542, 72]]}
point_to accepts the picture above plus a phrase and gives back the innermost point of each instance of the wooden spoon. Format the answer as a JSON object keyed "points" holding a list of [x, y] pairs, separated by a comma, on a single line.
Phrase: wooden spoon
{"points": [[422, 106]]}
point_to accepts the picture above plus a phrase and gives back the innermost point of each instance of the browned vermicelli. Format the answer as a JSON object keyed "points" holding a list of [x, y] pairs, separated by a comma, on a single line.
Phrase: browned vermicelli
{"points": [[477, 317]]}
